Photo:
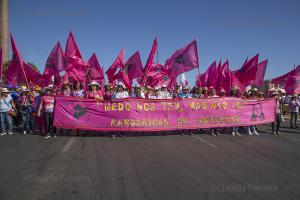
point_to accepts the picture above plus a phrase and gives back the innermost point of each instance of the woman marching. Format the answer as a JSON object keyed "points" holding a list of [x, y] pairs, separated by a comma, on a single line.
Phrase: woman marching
{"points": [[235, 93], [7, 109], [94, 92], [46, 108], [25, 108]]}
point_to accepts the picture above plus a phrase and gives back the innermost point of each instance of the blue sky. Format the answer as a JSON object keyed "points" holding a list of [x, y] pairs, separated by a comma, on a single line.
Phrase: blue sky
{"points": [[227, 29]]}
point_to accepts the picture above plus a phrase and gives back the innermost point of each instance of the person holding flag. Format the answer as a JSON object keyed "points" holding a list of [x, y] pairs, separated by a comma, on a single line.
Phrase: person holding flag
{"points": [[7, 110]]}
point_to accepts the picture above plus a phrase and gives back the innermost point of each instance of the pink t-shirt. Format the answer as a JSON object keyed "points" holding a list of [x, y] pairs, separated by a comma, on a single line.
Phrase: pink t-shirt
{"points": [[48, 103], [94, 95]]}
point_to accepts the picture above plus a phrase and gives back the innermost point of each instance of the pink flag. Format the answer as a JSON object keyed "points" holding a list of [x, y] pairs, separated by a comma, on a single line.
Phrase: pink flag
{"points": [[134, 68], [19, 72], [150, 61], [95, 71], [71, 47], [227, 79], [118, 64], [210, 77], [292, 85], [260, 72], [283, 79], [247, 73], [1, 65], [55, 62], [183, 60]]}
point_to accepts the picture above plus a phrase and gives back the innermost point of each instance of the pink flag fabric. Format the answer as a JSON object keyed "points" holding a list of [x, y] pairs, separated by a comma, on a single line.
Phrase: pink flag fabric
{"points": [[260, 73], [55, 62], [117, 64], [18, 72], [292, 85], [95, 71], [247, 73], [183, 60], [150, 61], [1, 65], [227, 79], [72, 47], [133, 68], [210, 77], [158, 75], [283, 79]]}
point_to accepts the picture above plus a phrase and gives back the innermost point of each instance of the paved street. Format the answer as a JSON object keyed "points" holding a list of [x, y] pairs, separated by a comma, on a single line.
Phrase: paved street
{"points": [[151, 167]]}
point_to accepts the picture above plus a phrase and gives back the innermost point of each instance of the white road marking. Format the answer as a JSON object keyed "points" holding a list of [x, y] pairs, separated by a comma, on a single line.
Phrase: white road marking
{"points": [[205, 141], [68, 145]]}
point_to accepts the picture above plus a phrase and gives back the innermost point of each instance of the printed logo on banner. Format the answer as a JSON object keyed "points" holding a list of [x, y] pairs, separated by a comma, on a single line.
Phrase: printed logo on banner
{"points": [[79, 111]]}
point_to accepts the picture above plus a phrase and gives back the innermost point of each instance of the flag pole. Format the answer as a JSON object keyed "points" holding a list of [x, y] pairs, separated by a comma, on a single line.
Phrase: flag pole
{"points": [[21, 62]]}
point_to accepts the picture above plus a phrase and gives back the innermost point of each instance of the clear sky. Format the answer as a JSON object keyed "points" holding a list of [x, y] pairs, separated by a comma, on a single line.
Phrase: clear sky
{"points": [[233, 29]]}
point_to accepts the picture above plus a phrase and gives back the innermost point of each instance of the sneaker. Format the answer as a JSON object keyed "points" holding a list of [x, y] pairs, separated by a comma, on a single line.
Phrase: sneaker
{"points": [[3, 133], [10, 133], [249, 133], [47, 136], [237, 133], [218, 133], [113, 136], [255, 133], [54, 136], [233, 133], [213, 134], [182, 134], [191, 133], [274, 133], [24, 132], [278, 133]]}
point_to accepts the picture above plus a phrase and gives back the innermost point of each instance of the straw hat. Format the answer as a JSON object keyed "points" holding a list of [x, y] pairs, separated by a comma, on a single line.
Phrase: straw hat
{"points": [[186, 87], [205, 88], [222, 91], [94, 83], [5, 90]]}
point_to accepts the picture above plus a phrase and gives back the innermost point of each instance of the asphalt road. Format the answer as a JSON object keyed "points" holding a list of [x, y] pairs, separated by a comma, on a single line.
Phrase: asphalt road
{"points": [[151, 167]]}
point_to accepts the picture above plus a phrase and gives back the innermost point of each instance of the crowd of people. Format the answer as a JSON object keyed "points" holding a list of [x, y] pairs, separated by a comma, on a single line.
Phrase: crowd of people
{"points": [[32, 111]]}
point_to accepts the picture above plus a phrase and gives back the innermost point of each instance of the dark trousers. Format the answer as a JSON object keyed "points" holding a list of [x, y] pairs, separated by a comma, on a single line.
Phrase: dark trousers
{"points": [[294, 116], [276, 123], [49, 123]]}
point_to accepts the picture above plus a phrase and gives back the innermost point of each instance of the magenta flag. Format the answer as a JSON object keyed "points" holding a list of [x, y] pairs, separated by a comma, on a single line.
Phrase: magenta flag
{"points": [[158, 75], [95, 71], [260, 72], [72, 47], [247, 73], [183, 60], [292, 85], [1, 65], [227, 79], [55, 62], [210, 77], [150, 61], [117, 64], [157, 115], [283, 79], [18, 72], [133, 68]]}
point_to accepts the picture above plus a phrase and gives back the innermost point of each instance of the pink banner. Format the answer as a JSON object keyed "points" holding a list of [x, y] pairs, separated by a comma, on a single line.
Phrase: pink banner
{"points": [[157, 115]]}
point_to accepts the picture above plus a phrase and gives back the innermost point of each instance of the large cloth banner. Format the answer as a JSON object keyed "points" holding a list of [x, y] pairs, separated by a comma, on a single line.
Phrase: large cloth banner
{"points": [[158, 115]]}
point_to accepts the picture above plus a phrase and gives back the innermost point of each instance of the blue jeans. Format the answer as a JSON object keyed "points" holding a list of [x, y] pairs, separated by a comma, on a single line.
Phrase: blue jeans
{"points": [[26, 120], [6, 120], [251, 128]]}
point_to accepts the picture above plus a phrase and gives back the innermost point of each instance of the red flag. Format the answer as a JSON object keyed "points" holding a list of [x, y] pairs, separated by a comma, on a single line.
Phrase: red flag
{"points": [[1, 65], [55, 62], [260, 72], [95, 71], [150, 61], [183, 60], [118, 64]]}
